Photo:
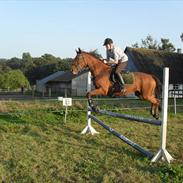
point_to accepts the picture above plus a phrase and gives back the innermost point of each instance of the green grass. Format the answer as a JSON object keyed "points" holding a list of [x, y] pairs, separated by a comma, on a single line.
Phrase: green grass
{"points": [[37, 146]]}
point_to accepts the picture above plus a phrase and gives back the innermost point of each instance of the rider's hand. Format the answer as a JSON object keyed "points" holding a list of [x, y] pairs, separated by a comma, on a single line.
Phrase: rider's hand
{"points": [[105, 61]]}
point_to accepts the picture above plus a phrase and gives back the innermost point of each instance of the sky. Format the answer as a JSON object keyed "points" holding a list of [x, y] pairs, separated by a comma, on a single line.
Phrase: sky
{"points": [[58, 27]]}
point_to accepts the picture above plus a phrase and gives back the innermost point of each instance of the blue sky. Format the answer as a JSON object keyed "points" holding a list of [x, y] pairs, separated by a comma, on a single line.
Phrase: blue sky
{"points": [[58, 27]]}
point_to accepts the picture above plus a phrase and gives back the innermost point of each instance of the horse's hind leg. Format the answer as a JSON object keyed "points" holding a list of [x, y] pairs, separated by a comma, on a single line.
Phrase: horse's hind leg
{"points": [[155, 109], [154, 105]]}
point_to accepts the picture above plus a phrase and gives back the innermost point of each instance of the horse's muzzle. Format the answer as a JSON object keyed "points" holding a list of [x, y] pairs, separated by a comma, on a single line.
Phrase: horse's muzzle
{"points": [[74, 72]]}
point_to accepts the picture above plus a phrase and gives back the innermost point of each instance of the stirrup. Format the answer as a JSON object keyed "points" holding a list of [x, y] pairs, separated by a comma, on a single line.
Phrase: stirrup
{"points": [[122, 88]]}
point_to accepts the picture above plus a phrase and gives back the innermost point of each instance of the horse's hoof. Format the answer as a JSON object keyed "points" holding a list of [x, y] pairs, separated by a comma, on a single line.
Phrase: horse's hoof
{"points": [[113, 96], [96, 109], [156, 116]]}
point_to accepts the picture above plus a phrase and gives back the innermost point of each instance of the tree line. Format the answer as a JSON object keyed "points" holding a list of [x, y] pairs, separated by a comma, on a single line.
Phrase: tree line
{"points": [[28, 69], [163, 45], [23, 72]]}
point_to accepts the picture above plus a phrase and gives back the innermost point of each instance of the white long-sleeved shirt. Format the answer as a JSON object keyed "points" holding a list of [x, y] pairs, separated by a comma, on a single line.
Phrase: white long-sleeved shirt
{"points": [[116, 55]]}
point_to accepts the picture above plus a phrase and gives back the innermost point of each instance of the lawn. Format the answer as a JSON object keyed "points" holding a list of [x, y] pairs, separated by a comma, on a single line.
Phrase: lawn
{"points": [[37, 146]]}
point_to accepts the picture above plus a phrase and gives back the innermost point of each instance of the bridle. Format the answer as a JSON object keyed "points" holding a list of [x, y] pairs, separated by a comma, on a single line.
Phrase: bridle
{"points": [[79, 68]]}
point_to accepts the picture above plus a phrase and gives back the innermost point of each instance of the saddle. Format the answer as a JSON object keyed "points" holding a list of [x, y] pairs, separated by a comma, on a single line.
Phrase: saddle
{"points": [[126, 75], [127, 78]]}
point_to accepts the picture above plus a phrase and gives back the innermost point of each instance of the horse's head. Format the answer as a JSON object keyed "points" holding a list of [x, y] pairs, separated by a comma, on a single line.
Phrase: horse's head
{"points": [[79, 62]]}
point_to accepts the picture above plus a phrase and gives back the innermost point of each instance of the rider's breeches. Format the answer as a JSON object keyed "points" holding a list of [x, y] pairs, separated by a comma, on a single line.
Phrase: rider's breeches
{"points": [[121, 67]]}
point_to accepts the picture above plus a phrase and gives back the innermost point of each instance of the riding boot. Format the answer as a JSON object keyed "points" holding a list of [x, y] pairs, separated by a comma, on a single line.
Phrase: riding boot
{"points": [[121, 81]]}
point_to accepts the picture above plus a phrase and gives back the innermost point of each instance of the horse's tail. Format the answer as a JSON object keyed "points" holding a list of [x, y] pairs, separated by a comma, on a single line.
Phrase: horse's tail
{"points": [[158, 89]]}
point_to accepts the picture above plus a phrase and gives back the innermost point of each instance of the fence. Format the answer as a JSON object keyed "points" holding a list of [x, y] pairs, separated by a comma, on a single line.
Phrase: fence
{"points": [[176, 93]]}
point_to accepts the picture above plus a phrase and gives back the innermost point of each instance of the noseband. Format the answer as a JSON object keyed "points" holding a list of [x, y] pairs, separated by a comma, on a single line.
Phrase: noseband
{"points": [[78, 66]]}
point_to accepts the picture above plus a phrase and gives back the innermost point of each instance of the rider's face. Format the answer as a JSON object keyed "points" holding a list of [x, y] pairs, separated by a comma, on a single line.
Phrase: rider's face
{"points": [[108, 46]]}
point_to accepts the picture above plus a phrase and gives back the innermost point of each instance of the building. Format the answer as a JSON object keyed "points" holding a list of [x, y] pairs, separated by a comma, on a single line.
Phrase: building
{"points": [[64, 83], [140, 59], [153, 61], [41, 84]]}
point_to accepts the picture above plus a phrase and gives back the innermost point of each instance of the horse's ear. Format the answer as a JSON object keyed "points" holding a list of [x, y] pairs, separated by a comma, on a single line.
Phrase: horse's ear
{"points": [[79, 50]]}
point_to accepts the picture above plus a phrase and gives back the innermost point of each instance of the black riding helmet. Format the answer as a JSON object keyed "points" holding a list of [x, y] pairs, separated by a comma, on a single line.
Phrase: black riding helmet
{"points": [[107, 41]]}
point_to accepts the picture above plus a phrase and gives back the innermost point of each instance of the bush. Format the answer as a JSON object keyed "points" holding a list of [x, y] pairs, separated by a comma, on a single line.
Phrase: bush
{"points": [[13, 79]]}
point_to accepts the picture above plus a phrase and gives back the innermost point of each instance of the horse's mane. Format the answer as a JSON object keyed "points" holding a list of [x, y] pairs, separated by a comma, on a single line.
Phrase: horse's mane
{"points": [[93, 55]]}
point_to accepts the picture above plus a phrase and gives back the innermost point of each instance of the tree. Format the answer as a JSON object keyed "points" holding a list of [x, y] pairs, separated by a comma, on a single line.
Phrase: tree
{"points": [[166, 45], [149, 43], [136, 45], [14, 63], [44, 67], [181, 36], [64, 64], [4, 68], [27, 61], [49, 59], [13, 79], [35, 68]]}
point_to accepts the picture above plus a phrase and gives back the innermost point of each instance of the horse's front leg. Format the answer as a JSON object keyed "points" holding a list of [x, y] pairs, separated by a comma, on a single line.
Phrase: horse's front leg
{"points": [[152, 111], [92, 93], [90, 101]]}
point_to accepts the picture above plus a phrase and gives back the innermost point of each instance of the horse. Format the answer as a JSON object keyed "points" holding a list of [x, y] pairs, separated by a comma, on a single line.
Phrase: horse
{"points": [[145, 86]]}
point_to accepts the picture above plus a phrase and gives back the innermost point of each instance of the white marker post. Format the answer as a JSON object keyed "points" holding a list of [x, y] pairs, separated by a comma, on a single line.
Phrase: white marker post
{"points": [[163, 153], [89, 128], [66, 102]]}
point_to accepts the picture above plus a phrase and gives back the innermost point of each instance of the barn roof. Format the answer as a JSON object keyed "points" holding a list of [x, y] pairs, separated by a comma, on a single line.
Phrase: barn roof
{"points": [[50, 77], [66, 76], [153, 61]]}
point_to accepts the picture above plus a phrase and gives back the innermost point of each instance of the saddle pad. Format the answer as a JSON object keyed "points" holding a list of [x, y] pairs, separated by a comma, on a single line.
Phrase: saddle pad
{"points": [[128, 77]]}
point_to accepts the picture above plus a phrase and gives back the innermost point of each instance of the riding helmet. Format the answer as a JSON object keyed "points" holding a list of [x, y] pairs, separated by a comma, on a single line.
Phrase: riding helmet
{"points": [[107, 41]]}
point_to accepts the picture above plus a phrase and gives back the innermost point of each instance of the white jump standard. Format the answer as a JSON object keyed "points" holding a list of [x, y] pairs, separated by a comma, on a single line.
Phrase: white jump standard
{"points": [[89, 128], [162, 153]]}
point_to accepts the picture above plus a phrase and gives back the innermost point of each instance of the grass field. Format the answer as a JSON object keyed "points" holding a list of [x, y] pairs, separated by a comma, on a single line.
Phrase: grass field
{"points": [[37, 146]]}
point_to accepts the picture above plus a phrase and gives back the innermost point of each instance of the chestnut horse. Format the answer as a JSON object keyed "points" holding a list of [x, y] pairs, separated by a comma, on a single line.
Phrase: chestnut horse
{"points": [[145, 86]]}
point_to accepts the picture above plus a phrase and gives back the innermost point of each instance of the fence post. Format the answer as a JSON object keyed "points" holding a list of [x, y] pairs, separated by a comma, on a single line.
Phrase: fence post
{"points": [[49, 92], [43, 90], [163, 153], [175, 105]]}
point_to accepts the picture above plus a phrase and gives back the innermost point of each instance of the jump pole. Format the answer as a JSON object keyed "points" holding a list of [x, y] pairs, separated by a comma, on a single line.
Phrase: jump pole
{"points": [[89, 128], [132, 118], [123, 138], [163, 153]]}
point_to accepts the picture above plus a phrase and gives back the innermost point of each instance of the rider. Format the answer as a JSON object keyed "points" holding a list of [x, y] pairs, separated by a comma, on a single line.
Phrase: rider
{"points": [[116, 56]]}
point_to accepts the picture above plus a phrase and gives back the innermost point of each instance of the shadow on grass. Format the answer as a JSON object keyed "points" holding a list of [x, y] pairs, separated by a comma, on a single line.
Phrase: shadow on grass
{"points": [[11, 118], [87, 142], [166, 172], [94, 144]]}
